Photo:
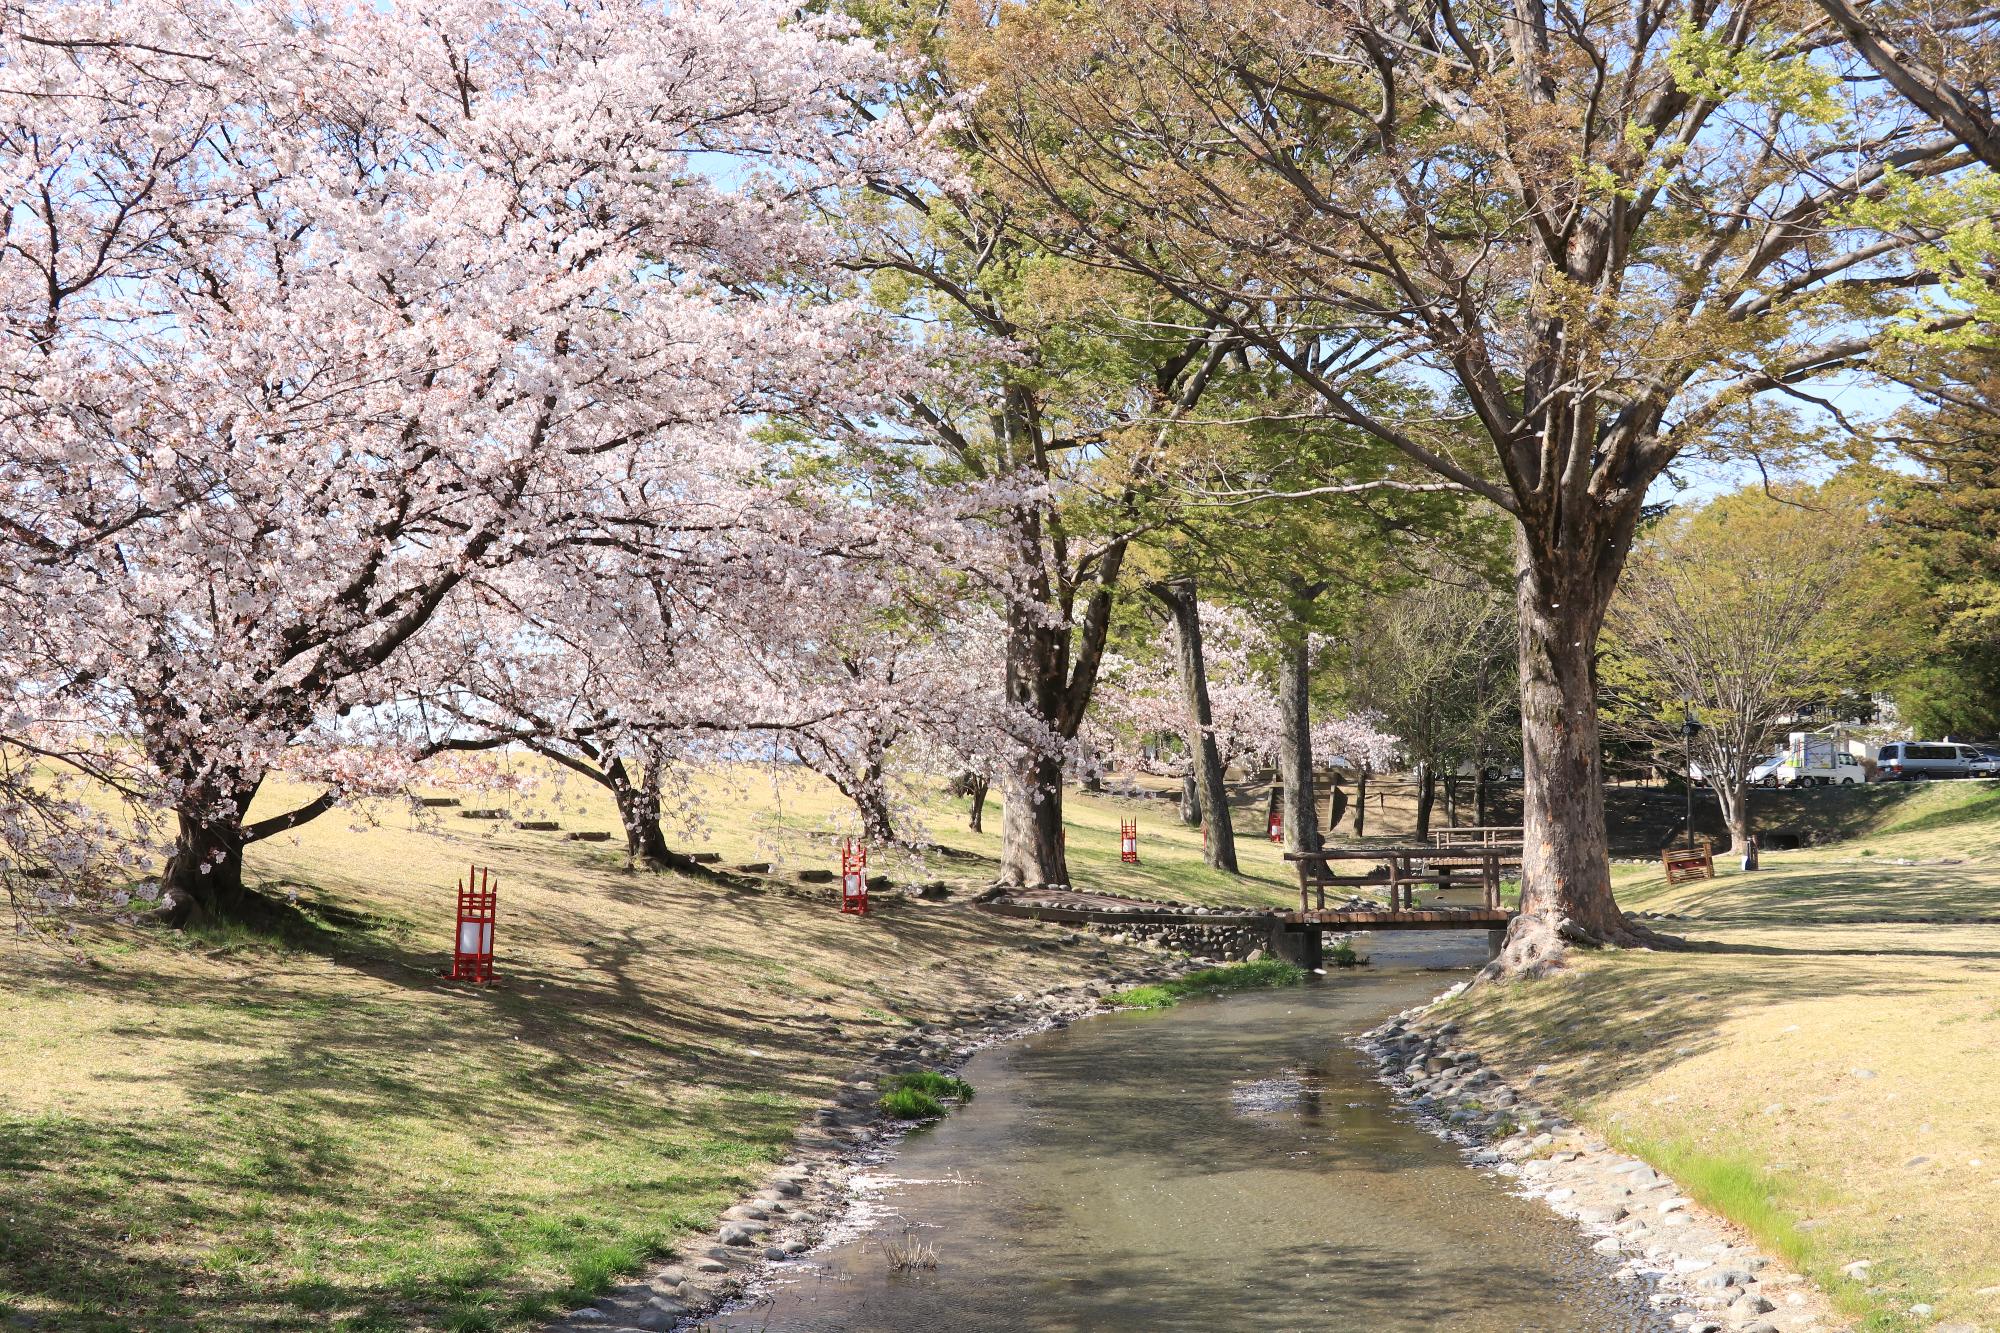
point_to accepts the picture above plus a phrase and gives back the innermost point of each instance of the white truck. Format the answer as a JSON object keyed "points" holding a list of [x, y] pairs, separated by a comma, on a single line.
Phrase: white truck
{"points": [[1810, 759]]}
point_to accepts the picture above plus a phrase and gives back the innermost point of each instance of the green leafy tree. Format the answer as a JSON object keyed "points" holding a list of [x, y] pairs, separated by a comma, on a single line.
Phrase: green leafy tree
{"points": [[1601, 240], [1945, 522], [1743, 609]]}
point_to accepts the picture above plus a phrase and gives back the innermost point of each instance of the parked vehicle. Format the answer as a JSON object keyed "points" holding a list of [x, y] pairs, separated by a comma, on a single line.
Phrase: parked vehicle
{"points": [[1907, 761], [1988, 763], [1810, 760]]}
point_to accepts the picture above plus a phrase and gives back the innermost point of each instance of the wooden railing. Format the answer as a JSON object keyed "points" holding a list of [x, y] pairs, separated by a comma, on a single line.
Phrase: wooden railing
{"points": [[1401, 869], [1479, 836]]}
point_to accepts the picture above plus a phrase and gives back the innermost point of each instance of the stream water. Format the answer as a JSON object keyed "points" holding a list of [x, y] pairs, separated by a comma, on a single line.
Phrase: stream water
{"points": [[1227, 1164]]}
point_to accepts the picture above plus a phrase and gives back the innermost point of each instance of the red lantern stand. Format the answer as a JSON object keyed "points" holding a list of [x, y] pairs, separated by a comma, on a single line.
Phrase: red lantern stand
{"points": [[472, 946], [1128, 841], [854, 877], [1275, 826]]}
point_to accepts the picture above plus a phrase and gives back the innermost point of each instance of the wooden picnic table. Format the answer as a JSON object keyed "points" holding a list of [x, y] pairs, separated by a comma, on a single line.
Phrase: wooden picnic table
{"points": [[1401, 869]]}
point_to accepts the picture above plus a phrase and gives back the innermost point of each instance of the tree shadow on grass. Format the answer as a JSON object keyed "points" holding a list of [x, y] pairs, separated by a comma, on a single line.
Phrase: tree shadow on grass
{"points": [[99, 1218], [1638, 1014], [679, 1057], [1812, 893]]}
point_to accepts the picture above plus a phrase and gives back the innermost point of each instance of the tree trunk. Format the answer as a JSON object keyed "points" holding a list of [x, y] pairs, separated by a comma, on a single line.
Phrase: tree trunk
{"points": [[1427, 792], [977, 790], [1219, 848], [1190, 798], [1734, 798], [639, 812], [1361, 804], [203, 878], [1295, 756], [1031, 824], [1565, 867], [1043, 682], [1451, 800], [1479, 795], [871, 799]]}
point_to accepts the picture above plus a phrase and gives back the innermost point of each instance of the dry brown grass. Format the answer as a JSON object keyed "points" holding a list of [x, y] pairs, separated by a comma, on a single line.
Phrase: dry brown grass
{"points": [[217, 1131], [1822, 1039]]}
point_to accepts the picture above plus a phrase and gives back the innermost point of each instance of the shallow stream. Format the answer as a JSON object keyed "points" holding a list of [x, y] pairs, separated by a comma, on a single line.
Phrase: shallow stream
{"points": [[1227, 1164]]}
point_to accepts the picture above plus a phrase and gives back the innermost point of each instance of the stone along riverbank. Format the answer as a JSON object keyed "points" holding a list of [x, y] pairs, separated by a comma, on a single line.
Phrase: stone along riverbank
{"points": [[1699, 1267]]}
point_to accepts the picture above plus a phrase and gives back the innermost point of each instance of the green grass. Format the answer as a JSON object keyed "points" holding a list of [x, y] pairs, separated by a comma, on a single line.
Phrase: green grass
{"points": [[1816, 1067], [1211, 981], [304, 1128], [1770, 1207], [1735, 1186], [931, 1082], [922, 1095]]}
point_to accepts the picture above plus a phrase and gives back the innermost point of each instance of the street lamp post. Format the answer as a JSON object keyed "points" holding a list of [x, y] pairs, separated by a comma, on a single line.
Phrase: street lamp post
{"points": [[1689, 730]]}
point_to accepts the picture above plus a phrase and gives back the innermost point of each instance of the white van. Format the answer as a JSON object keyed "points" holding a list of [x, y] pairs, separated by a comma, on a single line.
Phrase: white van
{"points": [[1907, 760]]}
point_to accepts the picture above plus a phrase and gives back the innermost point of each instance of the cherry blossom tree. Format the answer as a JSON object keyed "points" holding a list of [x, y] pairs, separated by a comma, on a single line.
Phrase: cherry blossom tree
{"points": [[904, 698], [621, 671], [306, 324]]}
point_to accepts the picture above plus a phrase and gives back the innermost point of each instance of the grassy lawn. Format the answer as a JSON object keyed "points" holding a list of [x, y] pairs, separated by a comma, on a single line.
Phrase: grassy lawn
{"points": [[216, 1131], [1821, 1065]]}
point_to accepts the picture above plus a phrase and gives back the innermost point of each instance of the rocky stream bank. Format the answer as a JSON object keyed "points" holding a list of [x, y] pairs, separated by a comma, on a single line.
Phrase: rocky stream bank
{"points": [[1700, 1269], [803, 1201]]}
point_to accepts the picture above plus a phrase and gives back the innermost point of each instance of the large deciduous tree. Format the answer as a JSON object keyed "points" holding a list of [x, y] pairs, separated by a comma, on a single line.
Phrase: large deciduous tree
{"points": [[1065, 389], [1743, 609], [1599, 234], [304, 321], [1943, 57]]}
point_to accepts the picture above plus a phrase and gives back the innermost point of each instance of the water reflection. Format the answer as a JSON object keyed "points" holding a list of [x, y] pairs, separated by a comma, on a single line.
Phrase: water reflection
{"points": [[1222, 1165]]}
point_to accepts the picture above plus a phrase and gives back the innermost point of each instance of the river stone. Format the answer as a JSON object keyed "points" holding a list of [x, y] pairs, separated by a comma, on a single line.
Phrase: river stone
{"points": [[1601, 1216], [661, 1313], [1749, 1305], [1721, 1279], [740, 1233]]}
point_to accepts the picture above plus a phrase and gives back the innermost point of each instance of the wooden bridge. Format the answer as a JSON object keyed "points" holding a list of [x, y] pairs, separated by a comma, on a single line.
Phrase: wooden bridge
{"points": [[1458, 858]]}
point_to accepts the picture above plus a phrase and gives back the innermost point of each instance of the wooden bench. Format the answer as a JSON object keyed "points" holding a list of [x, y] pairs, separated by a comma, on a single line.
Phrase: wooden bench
{"points": [[1400, 870], [1684, 865]]}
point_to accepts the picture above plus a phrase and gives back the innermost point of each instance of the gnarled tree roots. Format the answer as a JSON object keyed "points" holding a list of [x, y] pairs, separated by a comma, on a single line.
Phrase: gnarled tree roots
{"points": [[1537, 946]]}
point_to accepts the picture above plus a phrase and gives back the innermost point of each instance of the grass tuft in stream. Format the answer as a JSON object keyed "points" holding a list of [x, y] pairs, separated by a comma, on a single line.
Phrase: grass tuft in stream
{"points": [[1211, 981], [922, 1095]]}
